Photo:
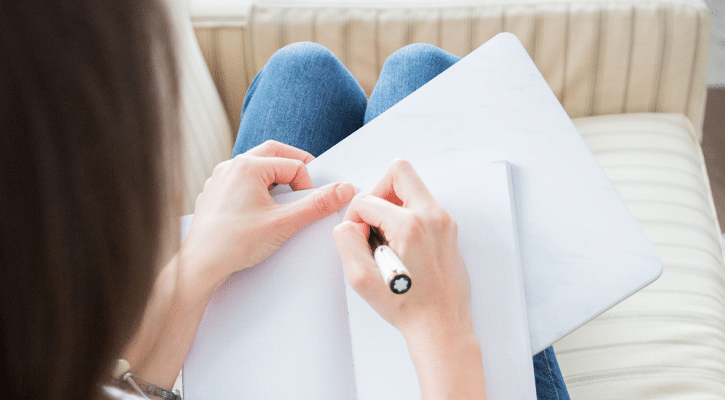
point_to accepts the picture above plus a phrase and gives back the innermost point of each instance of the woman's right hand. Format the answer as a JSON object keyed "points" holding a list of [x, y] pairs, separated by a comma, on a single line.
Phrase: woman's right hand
{"points": [[434, 315], [424, 237]]}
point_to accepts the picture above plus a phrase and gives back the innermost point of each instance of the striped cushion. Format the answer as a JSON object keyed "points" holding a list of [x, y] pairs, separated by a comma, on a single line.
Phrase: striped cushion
{"points": [[668, 340], [599, 57]]}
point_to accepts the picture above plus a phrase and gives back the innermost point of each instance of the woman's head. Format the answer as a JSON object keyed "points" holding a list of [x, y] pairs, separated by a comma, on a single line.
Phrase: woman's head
{"points": [[83, 167]]}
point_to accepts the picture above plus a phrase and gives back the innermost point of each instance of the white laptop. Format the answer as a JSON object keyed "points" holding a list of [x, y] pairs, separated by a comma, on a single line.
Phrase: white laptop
{"points": [[581, 249]]}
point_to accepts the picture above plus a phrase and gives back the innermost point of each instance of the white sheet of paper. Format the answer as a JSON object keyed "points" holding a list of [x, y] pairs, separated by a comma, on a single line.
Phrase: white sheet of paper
{"points": [[278, 330], [476, 194]]}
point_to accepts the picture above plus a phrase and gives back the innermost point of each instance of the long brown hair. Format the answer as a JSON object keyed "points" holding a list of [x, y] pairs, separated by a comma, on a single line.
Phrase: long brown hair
{"points": [[82, 177]]}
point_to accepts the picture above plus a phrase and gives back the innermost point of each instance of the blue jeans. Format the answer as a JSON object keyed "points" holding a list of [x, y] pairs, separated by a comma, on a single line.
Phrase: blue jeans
{"points": [[305, 97]]}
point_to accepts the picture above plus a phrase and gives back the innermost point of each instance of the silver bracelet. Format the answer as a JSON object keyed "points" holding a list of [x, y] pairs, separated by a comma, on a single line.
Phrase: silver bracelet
{"points": [[122, 375]]}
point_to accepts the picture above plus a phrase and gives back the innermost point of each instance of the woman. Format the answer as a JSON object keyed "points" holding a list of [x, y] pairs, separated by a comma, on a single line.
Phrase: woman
{"points": [[86, 190]]}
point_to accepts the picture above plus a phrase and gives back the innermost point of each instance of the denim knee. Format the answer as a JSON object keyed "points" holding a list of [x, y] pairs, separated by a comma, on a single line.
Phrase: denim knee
{"points": [[305, 97], [414, 55], [305, 55], [405, 71], [302, 63]]}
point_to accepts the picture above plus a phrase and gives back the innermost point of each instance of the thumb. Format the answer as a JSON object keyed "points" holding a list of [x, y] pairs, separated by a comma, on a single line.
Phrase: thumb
{"points": [[318, 204]]}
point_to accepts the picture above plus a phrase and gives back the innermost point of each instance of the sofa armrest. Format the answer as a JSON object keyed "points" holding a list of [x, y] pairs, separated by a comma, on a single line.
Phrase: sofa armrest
{"points": [[599, 57], [205, 133]]}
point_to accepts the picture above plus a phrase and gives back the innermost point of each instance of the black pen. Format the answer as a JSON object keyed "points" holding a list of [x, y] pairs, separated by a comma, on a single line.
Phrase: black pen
{"points": [[394, 273]]}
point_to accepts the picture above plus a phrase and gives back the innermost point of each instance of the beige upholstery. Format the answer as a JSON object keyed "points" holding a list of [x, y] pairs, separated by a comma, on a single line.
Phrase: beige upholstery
{"points": [[668, 340], [599, 57]]}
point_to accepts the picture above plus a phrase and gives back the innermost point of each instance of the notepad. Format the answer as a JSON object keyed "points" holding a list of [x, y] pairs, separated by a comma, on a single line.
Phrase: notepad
{"points": [[582, 251], [291, 327]]}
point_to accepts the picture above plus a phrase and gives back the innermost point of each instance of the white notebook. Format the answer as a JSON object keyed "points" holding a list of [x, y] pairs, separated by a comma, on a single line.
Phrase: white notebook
{"points": [[582, 251], [290, 327]]}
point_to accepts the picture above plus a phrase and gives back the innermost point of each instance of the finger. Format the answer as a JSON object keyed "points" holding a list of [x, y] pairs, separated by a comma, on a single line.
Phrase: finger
{"points": [[401, 185], [361, 271], [222, 166], [272, 148], [372, 210], [284, 171], [318, 204]]}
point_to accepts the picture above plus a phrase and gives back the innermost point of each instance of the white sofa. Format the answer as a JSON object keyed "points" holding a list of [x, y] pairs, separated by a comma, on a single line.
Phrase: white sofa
{"points": [[630, 73]]}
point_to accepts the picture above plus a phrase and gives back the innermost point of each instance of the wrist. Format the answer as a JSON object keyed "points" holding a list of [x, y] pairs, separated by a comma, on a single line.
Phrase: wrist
{"points": [[430, 339], [448, 363], [195, 279], [171, 317], [433, 325]]}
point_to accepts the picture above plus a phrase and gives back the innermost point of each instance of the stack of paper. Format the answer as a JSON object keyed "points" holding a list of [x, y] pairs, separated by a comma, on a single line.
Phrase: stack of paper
{"points": [[291, 328]]}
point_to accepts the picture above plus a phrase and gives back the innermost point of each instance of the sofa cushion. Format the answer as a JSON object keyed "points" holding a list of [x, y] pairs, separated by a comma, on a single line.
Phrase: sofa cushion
{"points": [[668, 340]]}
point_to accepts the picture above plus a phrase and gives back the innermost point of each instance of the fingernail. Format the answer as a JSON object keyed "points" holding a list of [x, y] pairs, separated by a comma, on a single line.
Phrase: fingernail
{"points": [[344, 191]]}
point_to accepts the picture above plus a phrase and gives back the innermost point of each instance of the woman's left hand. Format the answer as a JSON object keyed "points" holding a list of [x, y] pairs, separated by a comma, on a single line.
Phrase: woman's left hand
{"points": [[236, 222]]}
